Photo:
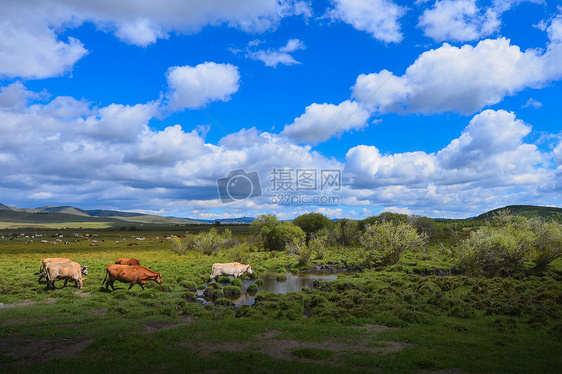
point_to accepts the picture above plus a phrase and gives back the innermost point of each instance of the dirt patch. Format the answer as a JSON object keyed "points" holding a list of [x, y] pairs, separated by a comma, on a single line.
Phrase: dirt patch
{"points": [[375, 328], [282, 349], [19, 304], [35, 349], [18, 321], [153, 326]]}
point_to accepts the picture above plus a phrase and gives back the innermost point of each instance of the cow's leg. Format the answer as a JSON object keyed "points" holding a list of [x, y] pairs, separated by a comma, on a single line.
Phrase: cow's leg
{"points": [[65, 282], [131, 286]]}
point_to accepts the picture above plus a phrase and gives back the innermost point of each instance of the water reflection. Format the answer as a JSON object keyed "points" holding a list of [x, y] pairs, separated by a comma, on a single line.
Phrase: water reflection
{"points": [[294, 282]]}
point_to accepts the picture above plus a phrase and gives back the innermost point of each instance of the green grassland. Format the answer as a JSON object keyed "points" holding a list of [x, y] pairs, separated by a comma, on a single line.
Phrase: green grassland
{"points": [[411, 317]]}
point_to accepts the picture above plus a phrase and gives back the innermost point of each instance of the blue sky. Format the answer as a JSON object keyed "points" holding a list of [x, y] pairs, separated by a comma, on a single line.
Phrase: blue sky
{"points": [[435, 108]]}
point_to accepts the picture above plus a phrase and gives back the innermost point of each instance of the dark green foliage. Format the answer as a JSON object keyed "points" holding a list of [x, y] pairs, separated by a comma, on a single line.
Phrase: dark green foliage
{"points": [[276, 234], [236, 282], [311, 223]]}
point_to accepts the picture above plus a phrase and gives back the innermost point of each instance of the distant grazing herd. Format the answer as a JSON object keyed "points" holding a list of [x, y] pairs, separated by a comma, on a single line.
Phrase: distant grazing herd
{"points": [[125, 270]]}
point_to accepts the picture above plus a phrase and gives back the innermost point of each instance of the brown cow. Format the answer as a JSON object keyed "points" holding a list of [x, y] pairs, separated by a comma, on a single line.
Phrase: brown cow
{"points": [[68, 270], [127, 261], [129, 274]]}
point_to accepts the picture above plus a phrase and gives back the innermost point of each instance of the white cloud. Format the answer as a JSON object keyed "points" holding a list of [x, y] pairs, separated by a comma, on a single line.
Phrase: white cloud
{"points": [[463, 79], [322, 121], [558, 154], [376, 17], [532, 103], [488, 165], [191, 87], [273, 57], [56, 151], [371, 169], [459, 20], [30, 46], [166, 147]]}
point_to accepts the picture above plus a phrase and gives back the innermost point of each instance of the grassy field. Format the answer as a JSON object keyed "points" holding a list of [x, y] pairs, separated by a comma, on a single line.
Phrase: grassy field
{"points": [[395, 319]]}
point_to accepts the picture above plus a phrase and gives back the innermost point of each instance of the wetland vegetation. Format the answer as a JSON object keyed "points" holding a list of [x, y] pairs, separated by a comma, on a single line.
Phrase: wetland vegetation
{"points": [[406, 295]]}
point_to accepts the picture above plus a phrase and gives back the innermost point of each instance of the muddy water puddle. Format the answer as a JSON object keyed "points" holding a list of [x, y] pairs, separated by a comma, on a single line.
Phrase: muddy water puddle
{"points": [[294, 282]]}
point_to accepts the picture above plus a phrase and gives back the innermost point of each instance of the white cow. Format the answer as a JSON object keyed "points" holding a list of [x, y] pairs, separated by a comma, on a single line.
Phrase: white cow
{"points": [[234, 269]]}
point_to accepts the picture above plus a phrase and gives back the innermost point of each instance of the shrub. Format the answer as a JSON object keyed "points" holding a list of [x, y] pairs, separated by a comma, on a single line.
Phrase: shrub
{"points": [[276, 234], [311, 223], [492, 249], [391, 239], [303, 251], [547, 243], [236, 282], [205, 242]]}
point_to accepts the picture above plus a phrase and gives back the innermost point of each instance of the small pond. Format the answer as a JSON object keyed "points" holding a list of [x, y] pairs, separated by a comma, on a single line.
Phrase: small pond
{"points": [[294, 282]]}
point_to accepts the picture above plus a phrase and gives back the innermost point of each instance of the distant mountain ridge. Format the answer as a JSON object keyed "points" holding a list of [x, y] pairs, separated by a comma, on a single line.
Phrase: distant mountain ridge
{"points": [[65, 213]]}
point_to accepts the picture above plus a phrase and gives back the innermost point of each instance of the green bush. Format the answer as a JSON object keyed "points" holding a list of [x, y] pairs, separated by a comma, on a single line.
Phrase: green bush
{"points": [[492, 249], [276, 234], [205, 242], [236, 282], [547, 245], [390, 239]]}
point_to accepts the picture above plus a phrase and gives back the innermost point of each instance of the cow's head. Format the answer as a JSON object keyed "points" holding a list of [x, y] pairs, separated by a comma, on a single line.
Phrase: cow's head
{"points": [[159, 278], [84, 270], [249, 270], [81, 282]]}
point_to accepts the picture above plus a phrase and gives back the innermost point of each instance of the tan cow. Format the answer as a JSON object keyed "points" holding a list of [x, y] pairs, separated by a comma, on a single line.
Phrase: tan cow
{"points": [[45, 261], [234, 269], [68, 270], [129, 274], [127, 261]]}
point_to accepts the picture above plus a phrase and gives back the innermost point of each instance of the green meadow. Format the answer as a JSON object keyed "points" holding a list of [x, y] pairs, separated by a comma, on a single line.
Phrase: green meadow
{"points": [[415, 315]]}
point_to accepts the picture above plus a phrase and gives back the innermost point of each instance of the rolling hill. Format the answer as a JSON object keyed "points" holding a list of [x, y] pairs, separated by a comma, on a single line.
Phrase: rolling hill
{"points": [[67, 214], [528, 211]]}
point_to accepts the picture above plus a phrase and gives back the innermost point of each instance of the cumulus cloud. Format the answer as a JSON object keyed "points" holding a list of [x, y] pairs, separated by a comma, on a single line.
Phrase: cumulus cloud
{"points": [[490, 152], [320, 122], [376, 17], [30, 46], [489, 164], [463, 79], [195, 86], [273, 57], [459, 20]]}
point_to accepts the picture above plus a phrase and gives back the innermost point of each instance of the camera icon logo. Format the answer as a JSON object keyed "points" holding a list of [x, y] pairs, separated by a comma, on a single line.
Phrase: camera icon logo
{"points": [[239, 185]]}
